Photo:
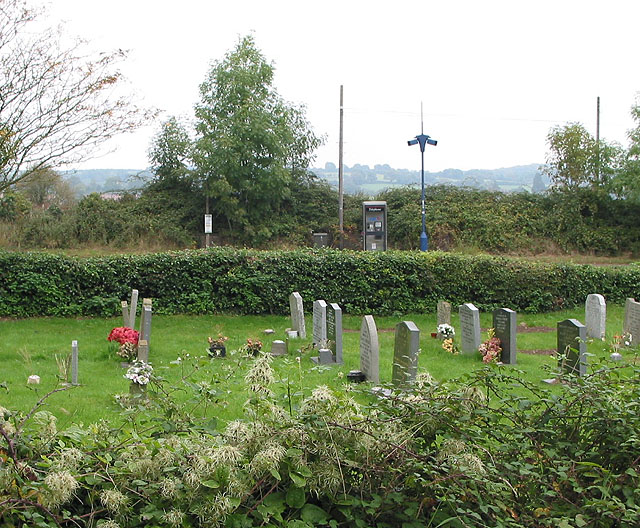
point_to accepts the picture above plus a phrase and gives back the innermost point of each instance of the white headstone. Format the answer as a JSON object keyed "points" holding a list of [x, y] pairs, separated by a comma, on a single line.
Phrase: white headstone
{"points": [[297, 315], [595, 312], [319, 323], [369, 349], [469, 328]]}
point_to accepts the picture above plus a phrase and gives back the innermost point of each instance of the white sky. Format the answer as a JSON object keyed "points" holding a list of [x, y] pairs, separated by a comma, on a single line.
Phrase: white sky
{"points": [[493, 75]]}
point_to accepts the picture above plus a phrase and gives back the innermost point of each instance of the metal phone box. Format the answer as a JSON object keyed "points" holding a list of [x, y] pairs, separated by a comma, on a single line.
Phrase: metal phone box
{"points": [[374, 225]]}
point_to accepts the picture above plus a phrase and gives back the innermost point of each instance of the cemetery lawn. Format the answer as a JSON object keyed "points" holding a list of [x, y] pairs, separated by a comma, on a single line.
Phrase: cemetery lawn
{"points": [[30, 346]]}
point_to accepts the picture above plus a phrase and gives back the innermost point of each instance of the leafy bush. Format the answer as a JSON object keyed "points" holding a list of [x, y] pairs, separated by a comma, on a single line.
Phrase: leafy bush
{"points": [[224, 280], [473, 452]]}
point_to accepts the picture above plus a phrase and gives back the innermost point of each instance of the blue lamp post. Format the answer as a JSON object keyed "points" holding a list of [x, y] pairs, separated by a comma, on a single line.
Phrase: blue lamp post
{"points": [[423, 140]]}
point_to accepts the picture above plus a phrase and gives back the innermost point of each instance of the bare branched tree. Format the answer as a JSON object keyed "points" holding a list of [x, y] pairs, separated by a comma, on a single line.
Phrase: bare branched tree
{"points": [[58, 103]]}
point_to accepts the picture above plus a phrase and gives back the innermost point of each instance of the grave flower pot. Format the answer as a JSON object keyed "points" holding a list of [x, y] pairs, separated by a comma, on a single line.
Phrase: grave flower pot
{"points": [[216, 350]]}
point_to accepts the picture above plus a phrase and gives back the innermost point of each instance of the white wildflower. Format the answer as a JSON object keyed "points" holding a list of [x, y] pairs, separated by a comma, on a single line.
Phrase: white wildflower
{"points": [[113, 500], [61, 485]]}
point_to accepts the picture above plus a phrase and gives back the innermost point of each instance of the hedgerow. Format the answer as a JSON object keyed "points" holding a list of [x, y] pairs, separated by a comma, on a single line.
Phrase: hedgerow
{"points": [[224, 280], [472, 452]]}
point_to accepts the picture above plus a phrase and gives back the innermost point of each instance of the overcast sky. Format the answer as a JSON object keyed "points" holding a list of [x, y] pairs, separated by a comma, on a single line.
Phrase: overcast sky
{"points": [[493, 76]]}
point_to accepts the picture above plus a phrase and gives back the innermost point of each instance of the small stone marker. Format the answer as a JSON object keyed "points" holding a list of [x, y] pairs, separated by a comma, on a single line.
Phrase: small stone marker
{"points": [[143, 350], [334, 331], [369, 349], [319, 323], [325, 357], [595, 315], [444, 313], [405, 354], [469, 328], [133, 309], [571, 343], [74, 362], [504, 324], [632, 320], [278, 348], [297, 315]]}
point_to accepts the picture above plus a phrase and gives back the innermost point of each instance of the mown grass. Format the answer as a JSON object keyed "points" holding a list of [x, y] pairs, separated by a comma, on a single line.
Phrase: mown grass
{"points": [[30, 346]]}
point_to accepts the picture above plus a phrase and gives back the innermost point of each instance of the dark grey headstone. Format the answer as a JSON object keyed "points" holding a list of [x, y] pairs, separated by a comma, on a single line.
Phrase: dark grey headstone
{"points": [[572, 335], [595, 315], [334, 331], [319, 323], [504, 324], [405, 354], [297, 314], [443, 313], [469, 328], [369, 349]]}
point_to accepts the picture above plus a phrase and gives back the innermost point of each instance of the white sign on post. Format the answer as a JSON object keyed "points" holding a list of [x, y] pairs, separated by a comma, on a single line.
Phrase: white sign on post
{"points": [[208, 224]]}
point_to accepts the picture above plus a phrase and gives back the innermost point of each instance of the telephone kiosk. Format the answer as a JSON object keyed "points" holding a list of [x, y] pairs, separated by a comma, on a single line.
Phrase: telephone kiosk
{"points": [[374, 223]]}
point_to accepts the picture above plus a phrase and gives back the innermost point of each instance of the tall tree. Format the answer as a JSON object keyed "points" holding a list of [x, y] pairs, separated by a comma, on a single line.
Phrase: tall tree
{"points": [[575, 159], [250, 143], [170, 152], [57, 103], [627, 183]]}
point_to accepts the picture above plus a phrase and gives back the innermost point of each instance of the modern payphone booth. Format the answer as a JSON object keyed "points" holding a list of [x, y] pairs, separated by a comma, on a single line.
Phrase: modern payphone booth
{"points": [[374, 225]]}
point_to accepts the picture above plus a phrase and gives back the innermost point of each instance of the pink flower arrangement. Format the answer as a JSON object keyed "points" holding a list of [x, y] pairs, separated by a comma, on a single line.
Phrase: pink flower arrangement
{"points": [[124, 334], [491, 348]]}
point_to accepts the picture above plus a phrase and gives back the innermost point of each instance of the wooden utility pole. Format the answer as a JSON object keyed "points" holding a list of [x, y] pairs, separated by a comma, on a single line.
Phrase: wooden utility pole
{"points": [[340, 175]]}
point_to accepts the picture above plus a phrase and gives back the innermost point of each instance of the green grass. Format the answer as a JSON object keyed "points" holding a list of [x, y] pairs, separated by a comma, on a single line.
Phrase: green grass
{"points": [[30, 346]]}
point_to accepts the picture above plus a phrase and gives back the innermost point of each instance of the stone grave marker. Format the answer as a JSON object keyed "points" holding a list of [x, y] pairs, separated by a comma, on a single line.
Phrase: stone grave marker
{"points": [[571, 343], [145, 320], [143, 350], [334, 331], [443, 313], [504, 324], [632, 320], [74, 362], [278, 348], [133, 309], [125, 313], [469, 328], [369, 349], [297, 314], [405, 354], [595, 315], [319, 323]]}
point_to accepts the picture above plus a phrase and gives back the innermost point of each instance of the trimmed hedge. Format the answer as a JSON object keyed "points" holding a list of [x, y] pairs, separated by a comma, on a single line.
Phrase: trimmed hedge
{"points": [[224, 280]]}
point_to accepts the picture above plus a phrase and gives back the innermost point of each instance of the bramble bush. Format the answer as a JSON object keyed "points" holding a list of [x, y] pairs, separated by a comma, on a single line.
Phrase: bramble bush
{"points": [[226, 280], [471, 452]]}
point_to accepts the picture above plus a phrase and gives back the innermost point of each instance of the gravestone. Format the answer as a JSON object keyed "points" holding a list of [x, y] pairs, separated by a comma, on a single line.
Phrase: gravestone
{"points": [[143, 350], [405, 354], [571, 343], [369, 349], [325, 357], [319, 323], [632, 320], [443, 313], [595, 315], [133, 308], [145, 320], [504, 324], [334, 331], [74, 362], [297, 314], [469, 328], [278, 348], [125, 313]]}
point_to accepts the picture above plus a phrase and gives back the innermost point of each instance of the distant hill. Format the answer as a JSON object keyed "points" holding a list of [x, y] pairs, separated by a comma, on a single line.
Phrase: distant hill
{"points": [[358, 178], [362, 178]]}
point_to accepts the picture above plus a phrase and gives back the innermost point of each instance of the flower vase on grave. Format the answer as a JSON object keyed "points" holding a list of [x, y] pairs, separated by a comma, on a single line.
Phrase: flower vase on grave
{"points": [[217, 350]]}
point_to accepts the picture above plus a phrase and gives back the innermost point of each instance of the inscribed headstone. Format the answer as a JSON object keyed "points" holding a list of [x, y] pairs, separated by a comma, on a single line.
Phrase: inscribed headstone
{"points": [[595, 315], [74, 362], [444, 313], [632, 320], [572, 335], [405, 354], [504, 324], [469, 328], [297, 314], [143, 351], [369, 349], [319, 323], [334, 331], [145, 320]]}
